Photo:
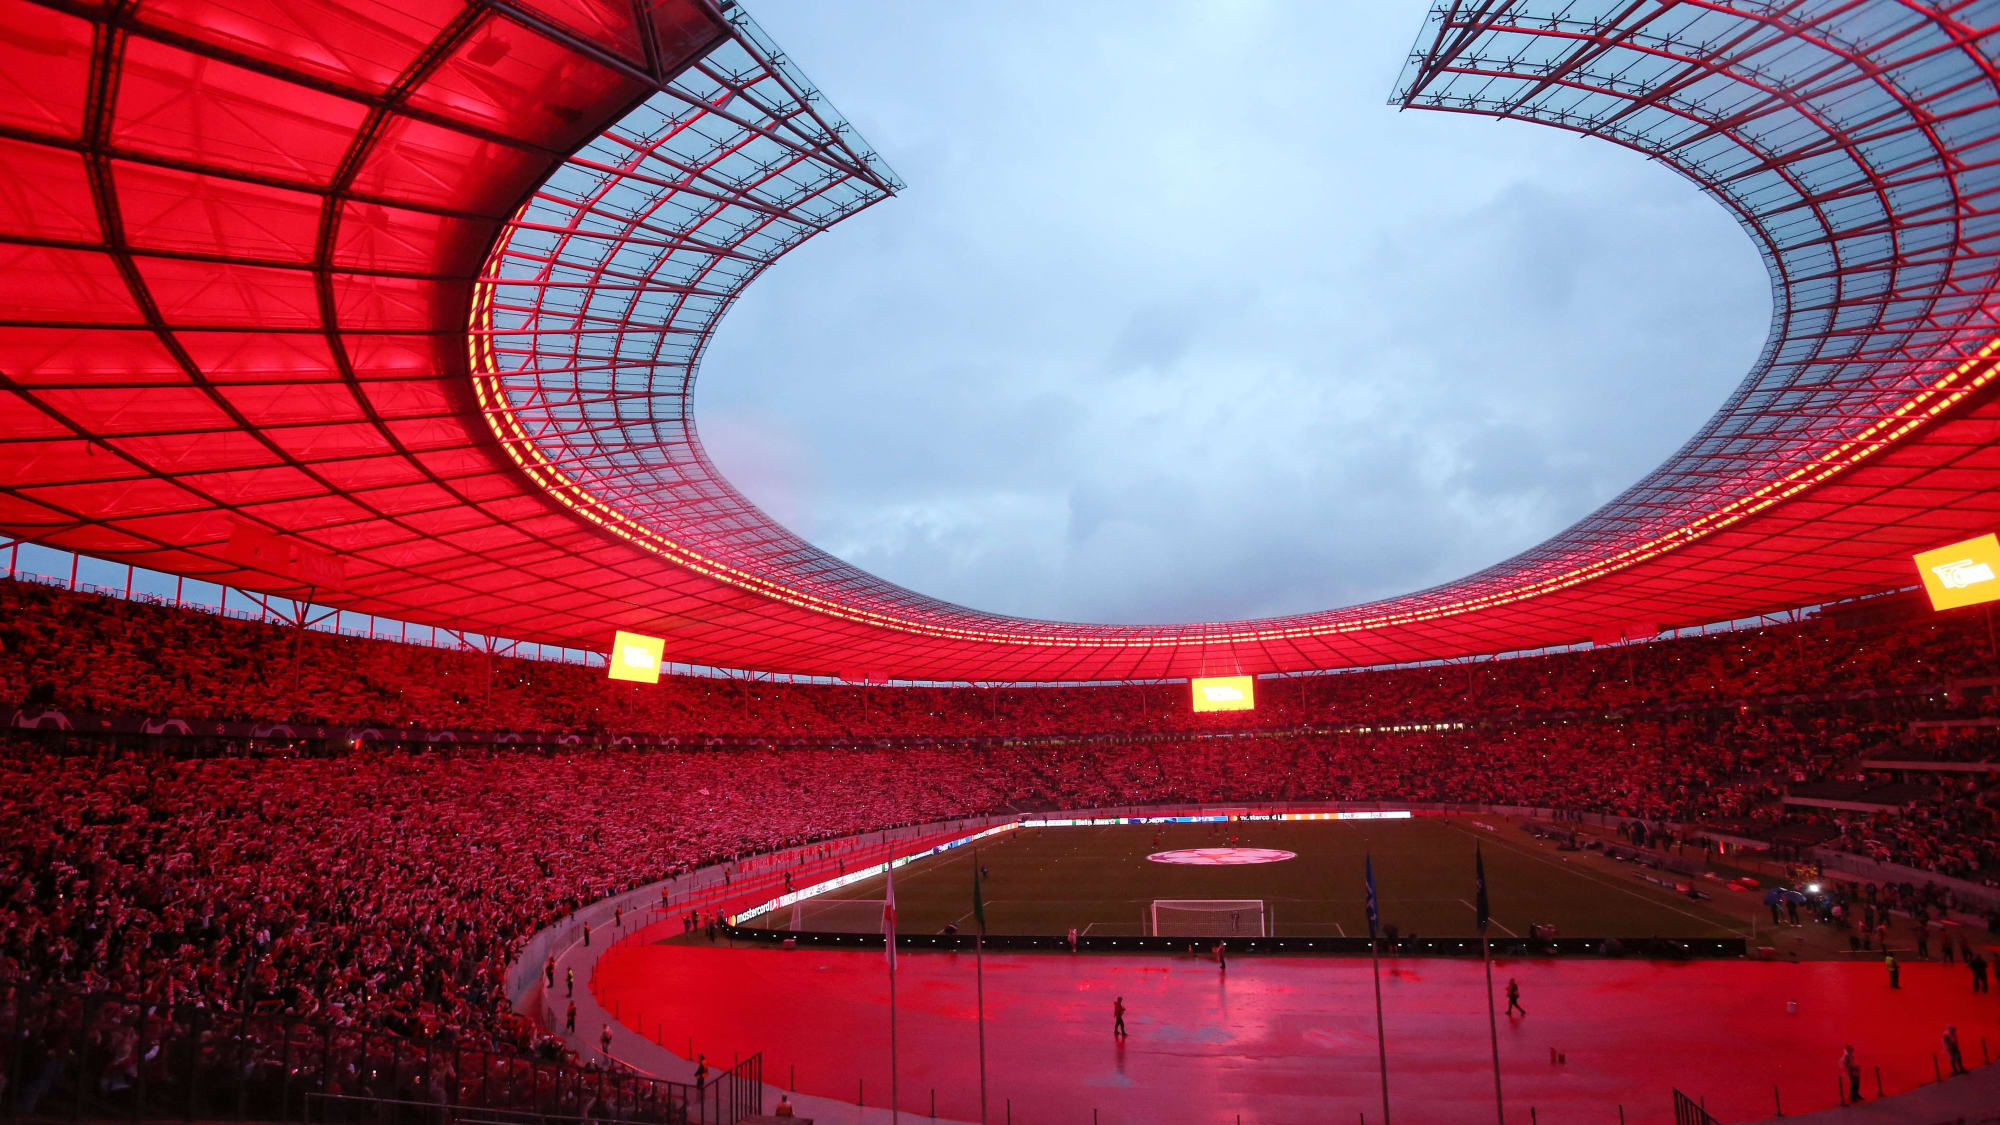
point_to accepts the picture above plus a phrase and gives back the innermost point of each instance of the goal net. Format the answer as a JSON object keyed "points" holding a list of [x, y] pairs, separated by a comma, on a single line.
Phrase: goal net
{"points": [[831, 916], [1208, 917]]}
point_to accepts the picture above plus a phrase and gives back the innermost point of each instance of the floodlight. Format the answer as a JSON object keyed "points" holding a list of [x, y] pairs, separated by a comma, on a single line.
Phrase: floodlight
{"points": [[1224, 693], [1964, 573], [636, 657]]}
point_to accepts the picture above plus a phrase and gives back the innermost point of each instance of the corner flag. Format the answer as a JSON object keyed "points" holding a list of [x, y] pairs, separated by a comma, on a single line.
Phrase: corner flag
{"points": [[1374, 914], [1479, 908], [889, 917]]}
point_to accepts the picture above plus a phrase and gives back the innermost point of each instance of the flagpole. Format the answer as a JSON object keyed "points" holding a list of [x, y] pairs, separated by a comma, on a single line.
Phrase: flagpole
{"points": [[1481, 916], [979, 971], [1492, 1027], [889, 935], [894, 1111], [979, 975], [1381, 1043], [1375, 965]]}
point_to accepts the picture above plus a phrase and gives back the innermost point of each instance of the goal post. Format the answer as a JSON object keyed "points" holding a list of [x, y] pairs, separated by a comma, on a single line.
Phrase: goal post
{"points": [[825, 915], [1208, 917]]}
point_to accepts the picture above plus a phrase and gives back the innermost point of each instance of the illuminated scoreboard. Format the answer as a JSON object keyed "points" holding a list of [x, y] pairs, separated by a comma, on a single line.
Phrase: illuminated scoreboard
{"points": [[1224, 693], [636, 657], [1964, 573]]}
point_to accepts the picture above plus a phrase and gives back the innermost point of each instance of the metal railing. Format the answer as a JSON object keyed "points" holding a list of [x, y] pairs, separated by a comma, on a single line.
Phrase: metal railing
{"points": [[1688, 1111], [732, 1096]]}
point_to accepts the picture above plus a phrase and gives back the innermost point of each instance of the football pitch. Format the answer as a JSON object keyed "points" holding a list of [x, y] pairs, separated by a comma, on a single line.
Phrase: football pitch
{"points": [[1042, 881]]}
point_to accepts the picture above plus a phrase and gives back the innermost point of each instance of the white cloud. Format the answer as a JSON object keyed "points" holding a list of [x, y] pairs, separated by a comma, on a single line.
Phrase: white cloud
{"points": [[1178, 321]]}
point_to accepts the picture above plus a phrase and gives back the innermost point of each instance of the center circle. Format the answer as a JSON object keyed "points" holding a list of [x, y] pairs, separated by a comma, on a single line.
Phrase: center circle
{"points": [[1222, 857]]}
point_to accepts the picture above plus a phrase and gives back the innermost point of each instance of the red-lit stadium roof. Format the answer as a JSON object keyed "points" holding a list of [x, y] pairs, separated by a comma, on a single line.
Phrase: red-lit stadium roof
{"points": [[400, 306]]}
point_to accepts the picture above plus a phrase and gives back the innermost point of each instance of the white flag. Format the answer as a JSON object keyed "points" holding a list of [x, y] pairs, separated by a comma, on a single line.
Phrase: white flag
{"points": [[889, 918]]}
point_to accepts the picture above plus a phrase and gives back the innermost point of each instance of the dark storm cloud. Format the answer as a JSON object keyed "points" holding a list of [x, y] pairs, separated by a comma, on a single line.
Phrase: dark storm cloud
{"points": [[1177, 321]]}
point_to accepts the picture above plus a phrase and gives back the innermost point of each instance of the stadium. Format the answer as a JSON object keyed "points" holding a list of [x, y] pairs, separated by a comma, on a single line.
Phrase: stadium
{"points": [[407, 720]]}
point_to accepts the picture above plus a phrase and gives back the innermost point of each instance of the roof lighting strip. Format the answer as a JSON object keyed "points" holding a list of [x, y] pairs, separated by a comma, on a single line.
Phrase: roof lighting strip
{"points": [[1926, 404]]}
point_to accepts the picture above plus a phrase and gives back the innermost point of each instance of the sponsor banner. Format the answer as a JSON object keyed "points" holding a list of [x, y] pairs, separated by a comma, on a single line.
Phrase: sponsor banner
{"points": [[861, 873], [1215, 818], [869, 872]]}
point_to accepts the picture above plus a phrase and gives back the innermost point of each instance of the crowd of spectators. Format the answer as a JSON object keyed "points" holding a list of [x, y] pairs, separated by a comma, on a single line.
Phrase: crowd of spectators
{"points": [[158, 660], [381, 888], [1943, 822], [385, 887], [1957, 836], [391, 887]]}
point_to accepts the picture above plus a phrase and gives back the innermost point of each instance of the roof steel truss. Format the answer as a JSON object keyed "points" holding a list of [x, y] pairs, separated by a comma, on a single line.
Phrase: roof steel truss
{"points": [[379, 280]]}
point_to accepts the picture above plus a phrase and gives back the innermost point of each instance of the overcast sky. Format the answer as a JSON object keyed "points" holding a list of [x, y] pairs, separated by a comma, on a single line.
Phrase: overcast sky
{"points": [[1177, 320]]}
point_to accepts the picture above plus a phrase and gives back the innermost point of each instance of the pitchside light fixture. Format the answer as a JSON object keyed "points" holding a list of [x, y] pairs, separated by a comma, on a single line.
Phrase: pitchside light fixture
{"points": [[1224, 693], [635, 656], [1964, 573]]}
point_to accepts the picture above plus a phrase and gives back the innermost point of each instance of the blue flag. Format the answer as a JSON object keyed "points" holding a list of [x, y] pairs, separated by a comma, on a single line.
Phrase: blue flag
{"points": [[1479, 910], [1374, 914], [978, 900]]}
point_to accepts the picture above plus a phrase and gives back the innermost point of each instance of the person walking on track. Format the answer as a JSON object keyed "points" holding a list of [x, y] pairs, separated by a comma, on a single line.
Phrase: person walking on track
{"points": [[1118, 1018], [1514, 997]]}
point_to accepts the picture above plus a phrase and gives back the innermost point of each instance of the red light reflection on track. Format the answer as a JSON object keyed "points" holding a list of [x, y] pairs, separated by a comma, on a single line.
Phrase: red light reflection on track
{"points": [[1291, 1039]]}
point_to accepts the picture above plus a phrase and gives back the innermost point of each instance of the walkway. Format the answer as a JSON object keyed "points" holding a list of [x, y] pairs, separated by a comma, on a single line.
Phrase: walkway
{"points": [[1291, 1039]]}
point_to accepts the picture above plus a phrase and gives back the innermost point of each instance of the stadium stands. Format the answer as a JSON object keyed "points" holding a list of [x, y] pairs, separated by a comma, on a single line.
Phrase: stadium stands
{"points": [[266, 331], [382, 887], [386, 888], [92, 653]]}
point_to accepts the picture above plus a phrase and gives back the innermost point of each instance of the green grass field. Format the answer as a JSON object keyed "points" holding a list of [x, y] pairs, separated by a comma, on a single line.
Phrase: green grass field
{"points": [[1098, 879]]}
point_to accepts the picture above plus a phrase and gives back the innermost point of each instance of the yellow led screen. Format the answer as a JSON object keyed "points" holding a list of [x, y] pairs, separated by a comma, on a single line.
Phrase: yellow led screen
{"points": [[1964, 573], [635, 656], [1224, 693]]}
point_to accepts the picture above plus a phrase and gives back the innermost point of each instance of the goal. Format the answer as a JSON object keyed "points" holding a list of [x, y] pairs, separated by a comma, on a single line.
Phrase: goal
{"points": [[837, 915], [1208, 917]]}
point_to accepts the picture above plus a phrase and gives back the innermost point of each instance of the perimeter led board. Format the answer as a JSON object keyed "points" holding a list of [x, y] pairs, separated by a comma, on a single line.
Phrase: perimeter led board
{"points": [[1224, 693], [635, 656], [1964, 573]]}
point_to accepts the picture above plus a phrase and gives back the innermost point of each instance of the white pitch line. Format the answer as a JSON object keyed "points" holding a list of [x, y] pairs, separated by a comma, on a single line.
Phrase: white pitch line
{"points": [[1613, 884], [1489, 917]]}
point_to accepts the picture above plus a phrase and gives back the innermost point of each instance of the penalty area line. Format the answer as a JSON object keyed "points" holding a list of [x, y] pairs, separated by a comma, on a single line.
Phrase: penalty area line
{"points": [[1489, 918], [1593, 877]]}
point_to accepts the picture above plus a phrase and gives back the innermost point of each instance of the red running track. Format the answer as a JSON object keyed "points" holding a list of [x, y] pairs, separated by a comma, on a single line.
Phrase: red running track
{"points": [[1292, 1039]]}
